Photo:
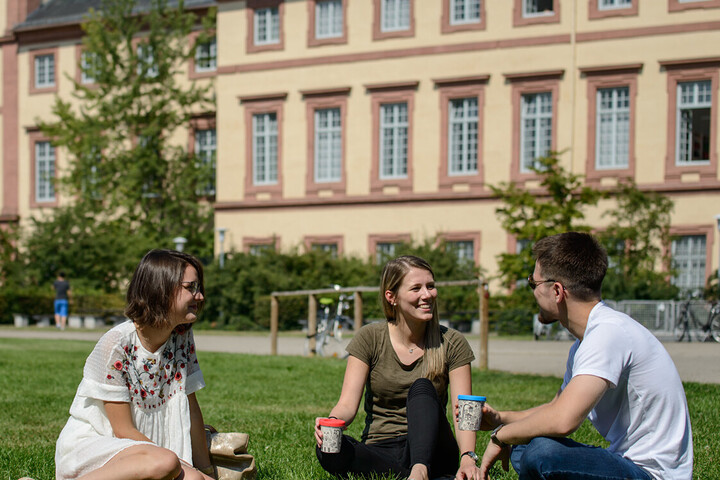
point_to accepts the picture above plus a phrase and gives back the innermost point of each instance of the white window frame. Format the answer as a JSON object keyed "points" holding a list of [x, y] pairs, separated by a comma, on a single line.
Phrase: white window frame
{"points": [[683, 136], [614, 4], [690, 262], [463, 117], [266, 28], [206, 151], [385, 250], [463, 12], [612, 147], [146, 56], [88, 60], [329, 19], [328, 145], [529, 9], [464, 249], [394, 15], [206, 56], [394, 133], [265, 148], [331, 248], [45, 70], [539, 134], [44, 172]]}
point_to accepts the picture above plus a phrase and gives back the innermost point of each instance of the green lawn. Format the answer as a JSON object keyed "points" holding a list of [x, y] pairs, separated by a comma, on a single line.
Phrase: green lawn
{"points": [[275, 399]]}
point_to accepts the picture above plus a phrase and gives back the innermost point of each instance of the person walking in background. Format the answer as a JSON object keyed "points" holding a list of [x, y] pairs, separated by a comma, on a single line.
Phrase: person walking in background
{"points": [[405, 365], [135, 415], [62, 300], [619, 376]]}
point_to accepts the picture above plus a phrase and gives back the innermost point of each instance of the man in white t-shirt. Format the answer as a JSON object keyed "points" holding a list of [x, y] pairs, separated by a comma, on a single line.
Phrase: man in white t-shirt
{"points": [[618, 375]]}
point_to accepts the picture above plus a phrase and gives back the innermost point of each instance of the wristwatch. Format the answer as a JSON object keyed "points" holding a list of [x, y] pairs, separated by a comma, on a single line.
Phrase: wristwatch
{"points": [[470, 454], [497, 441]]}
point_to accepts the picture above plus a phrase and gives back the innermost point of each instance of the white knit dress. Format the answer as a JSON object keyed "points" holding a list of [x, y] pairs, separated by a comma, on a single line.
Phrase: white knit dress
{"points": [[155, 384]]}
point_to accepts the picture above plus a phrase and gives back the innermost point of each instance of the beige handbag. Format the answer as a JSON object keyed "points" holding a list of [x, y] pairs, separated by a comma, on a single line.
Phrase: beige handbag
{"points": [[228, 453]]}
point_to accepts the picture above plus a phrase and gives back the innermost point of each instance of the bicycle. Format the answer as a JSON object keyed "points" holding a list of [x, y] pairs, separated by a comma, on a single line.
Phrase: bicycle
{"points": [[688, 325], [329, 331]]}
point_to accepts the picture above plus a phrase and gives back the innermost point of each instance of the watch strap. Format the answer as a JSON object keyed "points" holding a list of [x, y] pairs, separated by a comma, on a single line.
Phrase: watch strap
{"points": [[470, 454], [497, 441]]}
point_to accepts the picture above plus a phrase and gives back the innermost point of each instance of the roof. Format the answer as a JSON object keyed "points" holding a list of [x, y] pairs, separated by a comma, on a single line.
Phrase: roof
{"points": [[63, 12]]}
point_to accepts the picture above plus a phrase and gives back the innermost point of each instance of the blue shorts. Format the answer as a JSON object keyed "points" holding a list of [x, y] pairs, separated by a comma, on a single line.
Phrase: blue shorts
{"points": [[61, 308]]}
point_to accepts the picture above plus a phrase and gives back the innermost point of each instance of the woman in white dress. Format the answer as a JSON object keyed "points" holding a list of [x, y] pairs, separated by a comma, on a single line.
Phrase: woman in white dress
{"points": [[135, 415]]}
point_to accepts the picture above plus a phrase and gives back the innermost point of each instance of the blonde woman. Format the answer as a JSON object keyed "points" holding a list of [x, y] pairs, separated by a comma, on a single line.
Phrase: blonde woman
{"points": [[405, 366]]}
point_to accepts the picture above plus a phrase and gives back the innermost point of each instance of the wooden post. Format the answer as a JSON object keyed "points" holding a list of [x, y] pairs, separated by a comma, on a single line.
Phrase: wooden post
{"points": [[357, 311], [484, 296], [274, 314], [312, 324]]}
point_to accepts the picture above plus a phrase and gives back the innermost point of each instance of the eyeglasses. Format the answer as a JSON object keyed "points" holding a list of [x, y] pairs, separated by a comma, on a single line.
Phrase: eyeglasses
{"points": [[192, 287], [532, 283]]}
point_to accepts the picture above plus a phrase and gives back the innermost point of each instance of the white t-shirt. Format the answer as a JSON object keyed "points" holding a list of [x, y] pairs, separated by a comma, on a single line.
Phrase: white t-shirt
{"points": [[644, 415]]}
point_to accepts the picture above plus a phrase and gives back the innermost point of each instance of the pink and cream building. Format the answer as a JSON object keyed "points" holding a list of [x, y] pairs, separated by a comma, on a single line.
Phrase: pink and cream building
{"points": [[351, 125]]}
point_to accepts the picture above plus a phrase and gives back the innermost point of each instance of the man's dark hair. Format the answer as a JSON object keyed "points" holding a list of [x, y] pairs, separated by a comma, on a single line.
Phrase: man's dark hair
{"points": [[155, 283], [576, 260]]}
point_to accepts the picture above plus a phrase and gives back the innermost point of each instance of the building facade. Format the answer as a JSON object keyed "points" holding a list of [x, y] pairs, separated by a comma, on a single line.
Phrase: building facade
{"points": [[352, 125]]}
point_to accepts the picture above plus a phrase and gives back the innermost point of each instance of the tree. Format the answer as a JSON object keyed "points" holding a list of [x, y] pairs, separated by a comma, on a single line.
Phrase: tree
{"points": [[526, 216], [638, 229], [133, 187]]}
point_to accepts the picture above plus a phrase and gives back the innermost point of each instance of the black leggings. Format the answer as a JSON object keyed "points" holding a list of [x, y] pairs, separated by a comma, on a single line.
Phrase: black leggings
{"points": [[429, 441]]}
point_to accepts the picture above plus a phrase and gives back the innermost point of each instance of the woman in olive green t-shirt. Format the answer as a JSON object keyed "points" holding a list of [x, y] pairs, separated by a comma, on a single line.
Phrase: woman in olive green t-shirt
{"points": [[405, 366]]}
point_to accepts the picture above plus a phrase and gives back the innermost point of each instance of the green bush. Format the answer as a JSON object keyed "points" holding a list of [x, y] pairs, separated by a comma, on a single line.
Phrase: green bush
{"points": [[40, 301]]}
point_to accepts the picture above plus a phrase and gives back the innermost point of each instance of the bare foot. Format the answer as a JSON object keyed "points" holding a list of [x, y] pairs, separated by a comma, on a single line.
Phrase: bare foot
{"points": [[418, 472]]}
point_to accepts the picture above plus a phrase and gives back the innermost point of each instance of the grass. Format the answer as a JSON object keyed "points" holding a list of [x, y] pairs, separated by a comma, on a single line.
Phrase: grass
{"points": [[274, 399]]}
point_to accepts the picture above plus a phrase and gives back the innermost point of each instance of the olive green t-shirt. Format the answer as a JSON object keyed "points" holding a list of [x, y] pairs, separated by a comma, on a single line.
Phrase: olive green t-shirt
{"points": [[389, 379]]}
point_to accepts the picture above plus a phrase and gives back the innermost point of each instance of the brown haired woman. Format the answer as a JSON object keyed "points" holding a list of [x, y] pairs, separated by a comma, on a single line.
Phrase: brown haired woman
{"points": [[135, 414], [405, 366]]}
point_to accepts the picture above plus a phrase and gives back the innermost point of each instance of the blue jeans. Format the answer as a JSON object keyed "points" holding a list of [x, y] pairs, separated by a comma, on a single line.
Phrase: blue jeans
{"points": [[546, 458]]}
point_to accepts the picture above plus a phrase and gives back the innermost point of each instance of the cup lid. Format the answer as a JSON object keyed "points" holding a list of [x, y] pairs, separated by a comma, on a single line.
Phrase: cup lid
{"points": [[331, 422], [471, 397]]}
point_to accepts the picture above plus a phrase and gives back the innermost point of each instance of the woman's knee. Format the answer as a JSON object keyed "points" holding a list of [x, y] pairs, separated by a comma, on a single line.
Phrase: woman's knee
{"points": [[160, 464], [420, 387]]}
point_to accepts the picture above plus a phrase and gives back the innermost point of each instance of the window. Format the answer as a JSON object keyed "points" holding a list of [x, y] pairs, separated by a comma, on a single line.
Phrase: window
{"points": [[44, 172], [395, 15], [611, 92], [535, 128], [265, 148], [328, 19], [264, 25], [392, 106], [461, 101], [464, 11], [463, 136], [691, 119], [206, 56], [385, 247], [694, 101], [534, 103], [149, 147], [45, 71], [678, 5], [393, 140], [331, 244], [205, 147], [612, 8], [532, 12], [90, 187], [88, 65], [614, 4], [261, 245], [613, 128], [689, 259], [534, 8], [463, 249], [267, 26], [328, 145], [146, 61]]}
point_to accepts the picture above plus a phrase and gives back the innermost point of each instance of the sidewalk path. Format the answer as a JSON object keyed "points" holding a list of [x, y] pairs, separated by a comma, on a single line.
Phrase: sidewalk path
{"points": [[696, 362]]}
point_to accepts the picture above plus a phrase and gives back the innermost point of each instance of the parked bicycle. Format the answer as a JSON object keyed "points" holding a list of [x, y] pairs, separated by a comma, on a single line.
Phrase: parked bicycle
{"points": [[329, 329], [687, 324]]}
